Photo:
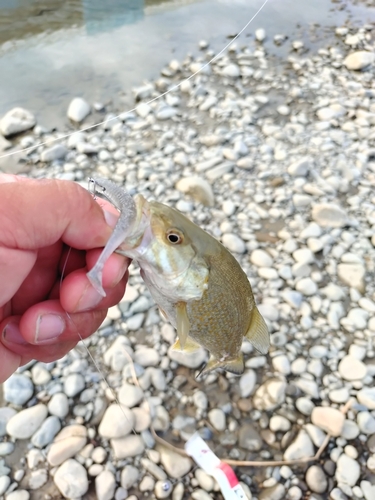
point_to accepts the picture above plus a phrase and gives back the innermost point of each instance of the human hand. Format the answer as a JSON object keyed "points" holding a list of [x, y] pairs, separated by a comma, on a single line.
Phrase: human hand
{"points": [[48, 227]]}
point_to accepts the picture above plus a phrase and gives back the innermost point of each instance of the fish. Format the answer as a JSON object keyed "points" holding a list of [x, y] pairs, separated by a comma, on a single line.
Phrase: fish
{"points": [[196, 282]]}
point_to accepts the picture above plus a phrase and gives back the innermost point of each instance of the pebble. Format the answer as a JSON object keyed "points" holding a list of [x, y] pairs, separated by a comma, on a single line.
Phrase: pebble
{"points": [[26, 422], [37, 479], [55, 152], [232, 70], [260, 258], [316, 479], [175, 465], [4, 484], [59, 405], [130, 395], [234, 243], [366, 397], [117, 422], [105, 485], [260, 34], [247, 383], [352, 275], [74, 384], [71, 479], [198, 189], [351, 368], [67, 443], [129, 476], [78, 110], [6, 413], [348, 470], [301, 447], [329, 215], [18, 495], [47, 431], [15, 121], [216, 417], [129, 446], [328, 419], [188, 359], [366, 422], [359, 60], [18, 389], [163, 489]]}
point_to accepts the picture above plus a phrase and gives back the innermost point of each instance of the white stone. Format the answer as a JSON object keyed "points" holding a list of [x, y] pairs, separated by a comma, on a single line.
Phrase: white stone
{"points": [[316, 479], [217, 419], [78, 109], [189, 359], [129, 476], [26, 422], [306, 286], [59, 405], [301, 447], [198, 188], [15, 121], [147, 356], [37, 479], [40, 375], [351, 368], [347, 471], [260, 34], [339, 395], [4, 484], [279, 423], [231, 70], [329, 419], [129, 446], [71, 479], [175, 465], [359, 60], [281, 364], [67, 443], [247, 383], [117, 422], [261, 258], [18, 495], [366, 397], [366, 422], [130, 395], [368, 490], [6, 413], [105, 485], [47, 431], [270, 394], [352, 275], [74, 384], [329, 215], [300, 168]]}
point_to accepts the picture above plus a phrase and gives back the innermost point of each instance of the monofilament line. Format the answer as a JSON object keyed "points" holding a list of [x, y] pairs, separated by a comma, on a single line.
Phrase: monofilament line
{"points": [[111, 390], [89, 127]]}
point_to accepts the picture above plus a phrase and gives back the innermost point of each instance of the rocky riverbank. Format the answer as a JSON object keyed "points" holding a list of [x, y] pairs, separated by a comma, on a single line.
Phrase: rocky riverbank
{"points": [[280, 165]]}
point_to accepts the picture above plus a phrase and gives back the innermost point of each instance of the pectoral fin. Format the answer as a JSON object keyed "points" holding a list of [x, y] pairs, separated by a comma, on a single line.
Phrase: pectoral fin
{"points": [[235, 366], [183, 324], [190, 346], [258, 332]]}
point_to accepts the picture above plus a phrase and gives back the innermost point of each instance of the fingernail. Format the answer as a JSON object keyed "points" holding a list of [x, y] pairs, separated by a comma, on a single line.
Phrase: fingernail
{"points": [[110, 218], [89, 299], [121, 273], [48, 327], [12, 334]]}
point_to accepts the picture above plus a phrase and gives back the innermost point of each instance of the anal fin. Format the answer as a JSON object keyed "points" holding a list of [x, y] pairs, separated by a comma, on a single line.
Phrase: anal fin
{"points": [[183, 323], [258, 333], [235, 366]]}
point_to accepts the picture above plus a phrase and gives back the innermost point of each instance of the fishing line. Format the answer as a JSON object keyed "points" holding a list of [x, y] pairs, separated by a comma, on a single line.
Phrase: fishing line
{"points": [[112, 391], [174, 87]]}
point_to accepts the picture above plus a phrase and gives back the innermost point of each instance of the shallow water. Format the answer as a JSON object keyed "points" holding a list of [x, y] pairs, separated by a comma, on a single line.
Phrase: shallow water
{"points": [[54, 50]]}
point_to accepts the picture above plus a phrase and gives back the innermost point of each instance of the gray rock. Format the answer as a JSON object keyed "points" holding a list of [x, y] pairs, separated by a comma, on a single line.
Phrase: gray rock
{"points": [[56, 152], [26, 422], [6, 413], [18, 389], [47, 431], [15, 121], [316, 479], [71, 479], [78, 110], [249, 438]]}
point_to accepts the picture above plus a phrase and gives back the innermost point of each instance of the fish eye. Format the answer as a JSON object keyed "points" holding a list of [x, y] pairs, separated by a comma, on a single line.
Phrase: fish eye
{"points": [[175, 237]]}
